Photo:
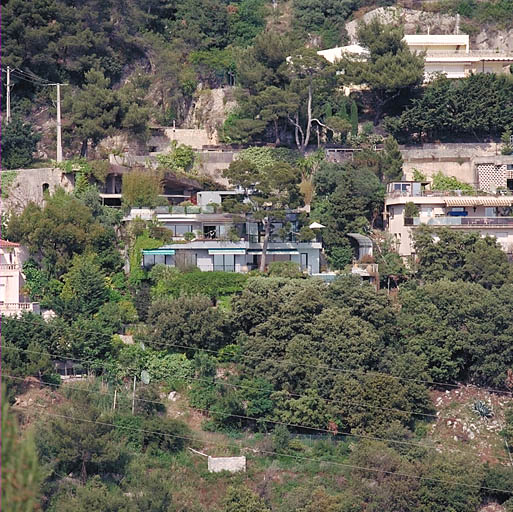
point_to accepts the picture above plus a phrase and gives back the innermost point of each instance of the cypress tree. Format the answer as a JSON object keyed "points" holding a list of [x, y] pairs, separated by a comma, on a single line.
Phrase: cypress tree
{"points": [[354, 118], [342, 110]]}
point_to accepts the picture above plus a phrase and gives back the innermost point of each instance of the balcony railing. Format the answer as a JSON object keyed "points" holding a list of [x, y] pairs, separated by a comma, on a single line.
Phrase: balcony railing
{"points": [[461, 221], [9, 266], [10, 308], [471, 53]]}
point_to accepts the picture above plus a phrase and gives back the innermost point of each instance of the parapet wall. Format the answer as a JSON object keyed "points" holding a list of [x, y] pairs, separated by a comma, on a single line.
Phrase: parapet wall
{"points": [[29, 185], [196, 138], [451, 159]]}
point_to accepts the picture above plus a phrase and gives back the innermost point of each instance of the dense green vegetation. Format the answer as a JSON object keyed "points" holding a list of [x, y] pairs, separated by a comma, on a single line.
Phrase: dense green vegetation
{"points": [[333, 392], [478, 105], [261, 358]]}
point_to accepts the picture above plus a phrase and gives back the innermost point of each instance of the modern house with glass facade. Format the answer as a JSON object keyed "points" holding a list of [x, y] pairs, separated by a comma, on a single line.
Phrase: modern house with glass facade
{"points": [[228, 242]]}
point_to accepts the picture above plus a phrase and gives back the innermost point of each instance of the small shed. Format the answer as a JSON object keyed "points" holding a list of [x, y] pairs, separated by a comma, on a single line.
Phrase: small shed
{"points": [[231, 464]]}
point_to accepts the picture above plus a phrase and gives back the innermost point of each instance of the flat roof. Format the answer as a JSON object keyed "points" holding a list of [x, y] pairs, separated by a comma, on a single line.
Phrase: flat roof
{"points": [[437, 39]]}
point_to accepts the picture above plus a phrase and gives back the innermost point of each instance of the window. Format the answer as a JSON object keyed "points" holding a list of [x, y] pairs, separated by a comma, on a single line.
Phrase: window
{"points": [[224, 262], [180, 229], [490, 211], [304, 261], [209, 231]]}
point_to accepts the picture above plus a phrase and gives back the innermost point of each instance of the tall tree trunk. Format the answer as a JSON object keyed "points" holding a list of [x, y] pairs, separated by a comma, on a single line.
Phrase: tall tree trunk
{"points": [[267, 234], [276, 132], [83, 149], [296, 132], [308, 120]]}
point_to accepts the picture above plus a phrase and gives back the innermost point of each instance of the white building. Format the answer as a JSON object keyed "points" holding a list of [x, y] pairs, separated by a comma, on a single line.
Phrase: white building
{"points": [[12, 301], [487, 214], [223, 241], [227, 256], [448, 54]]}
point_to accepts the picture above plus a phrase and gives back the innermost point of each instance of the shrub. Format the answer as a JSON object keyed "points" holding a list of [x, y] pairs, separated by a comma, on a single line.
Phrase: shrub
{"points": [[289, 269], [411, 210]]}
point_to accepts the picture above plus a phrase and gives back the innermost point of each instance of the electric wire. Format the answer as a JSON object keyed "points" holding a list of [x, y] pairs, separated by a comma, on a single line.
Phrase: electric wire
{"points": [[245, 387], [300, 365], [279, 454], [264, 420]]}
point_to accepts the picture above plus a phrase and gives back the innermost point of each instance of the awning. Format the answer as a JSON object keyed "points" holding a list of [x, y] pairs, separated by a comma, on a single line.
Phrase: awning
{"points": [[227, 251], [478, 201], [157, 252], [273, 251]]}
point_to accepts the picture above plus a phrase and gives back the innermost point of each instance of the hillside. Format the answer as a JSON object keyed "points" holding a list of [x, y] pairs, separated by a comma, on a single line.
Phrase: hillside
{"points": [[157, 72]]}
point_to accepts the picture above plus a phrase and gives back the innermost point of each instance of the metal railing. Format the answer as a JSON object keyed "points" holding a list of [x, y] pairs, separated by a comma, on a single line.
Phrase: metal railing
{"points": [[461, 221], [471, 53], [448, 193]]}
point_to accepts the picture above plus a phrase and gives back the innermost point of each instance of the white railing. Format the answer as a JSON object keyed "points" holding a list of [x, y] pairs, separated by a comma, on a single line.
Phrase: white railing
{"points": [[471, 53], [19, 306], [9, 266]]}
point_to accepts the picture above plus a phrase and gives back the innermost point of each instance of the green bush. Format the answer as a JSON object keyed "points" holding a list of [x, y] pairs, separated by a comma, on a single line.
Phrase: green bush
{"points": [[411, 210], [449, 183], [289, 269]]}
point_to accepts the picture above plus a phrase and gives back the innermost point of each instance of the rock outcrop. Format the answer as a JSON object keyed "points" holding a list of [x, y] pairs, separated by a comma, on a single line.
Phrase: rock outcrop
{"points": [[420, 22]]}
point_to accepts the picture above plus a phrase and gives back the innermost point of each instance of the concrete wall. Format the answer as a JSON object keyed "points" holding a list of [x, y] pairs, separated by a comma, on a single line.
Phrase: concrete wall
{"points": [[232, 464], [28, 186], [212, 163], [451, 159], [196, 138]]}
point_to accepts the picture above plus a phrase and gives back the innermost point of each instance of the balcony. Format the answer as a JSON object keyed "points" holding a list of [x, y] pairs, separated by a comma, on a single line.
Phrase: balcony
{"points": [[9, 266], [480, 54], [17, 308], [462, 221]]}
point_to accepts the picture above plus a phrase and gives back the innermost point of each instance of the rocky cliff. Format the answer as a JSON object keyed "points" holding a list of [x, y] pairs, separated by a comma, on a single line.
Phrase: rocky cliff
{"points": [[422, 22]]}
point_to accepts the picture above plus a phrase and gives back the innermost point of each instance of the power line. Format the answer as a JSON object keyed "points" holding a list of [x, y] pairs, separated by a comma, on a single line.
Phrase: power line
{"points": [[297, 457], [245, 387], [31, 80], [32, 75], [301, 365], [240, 416]]}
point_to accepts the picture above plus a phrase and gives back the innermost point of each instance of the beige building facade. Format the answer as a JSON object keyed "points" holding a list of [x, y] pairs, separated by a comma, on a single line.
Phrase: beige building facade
{"points": [[12, 300], [487, 214]]}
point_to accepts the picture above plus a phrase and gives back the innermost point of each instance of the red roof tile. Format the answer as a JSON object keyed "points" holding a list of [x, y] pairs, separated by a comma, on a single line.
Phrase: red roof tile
{"points": [[6, 243]]}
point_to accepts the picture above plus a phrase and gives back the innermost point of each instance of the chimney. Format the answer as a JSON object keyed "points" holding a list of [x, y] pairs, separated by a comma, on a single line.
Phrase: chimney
{"points": [[457, 27]]}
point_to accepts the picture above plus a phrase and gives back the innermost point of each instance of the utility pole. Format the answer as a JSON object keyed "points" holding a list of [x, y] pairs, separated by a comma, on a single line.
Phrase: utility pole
{"points": [[133, 398], [59, 124], [8, 103]]}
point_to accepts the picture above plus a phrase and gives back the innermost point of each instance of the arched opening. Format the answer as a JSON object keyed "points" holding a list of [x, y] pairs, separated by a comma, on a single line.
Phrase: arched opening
{"points": [[46, 188]]}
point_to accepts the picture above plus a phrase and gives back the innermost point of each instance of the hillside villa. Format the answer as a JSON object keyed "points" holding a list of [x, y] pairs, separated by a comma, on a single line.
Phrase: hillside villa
{"points": [[12, 301], [449, 54], [488, 214]]}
